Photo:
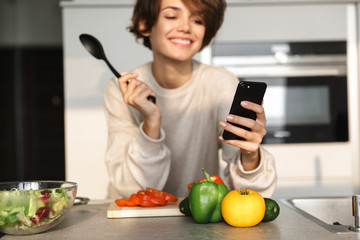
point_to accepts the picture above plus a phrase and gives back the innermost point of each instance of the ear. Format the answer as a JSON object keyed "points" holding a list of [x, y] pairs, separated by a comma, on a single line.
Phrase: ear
{"points": [[142, 28]]}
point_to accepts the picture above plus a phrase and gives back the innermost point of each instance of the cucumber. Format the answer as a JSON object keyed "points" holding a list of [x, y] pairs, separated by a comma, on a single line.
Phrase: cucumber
{"points": [[184, 207], [272, 210]]}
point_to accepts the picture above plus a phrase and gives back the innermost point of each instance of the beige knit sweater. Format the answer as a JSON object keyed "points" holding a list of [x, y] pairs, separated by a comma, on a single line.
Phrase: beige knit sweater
{"points": [[189, 137]]}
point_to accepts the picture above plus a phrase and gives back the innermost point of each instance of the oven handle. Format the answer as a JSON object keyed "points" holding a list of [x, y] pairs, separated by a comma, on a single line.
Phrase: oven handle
{"points": [[288, 71]]}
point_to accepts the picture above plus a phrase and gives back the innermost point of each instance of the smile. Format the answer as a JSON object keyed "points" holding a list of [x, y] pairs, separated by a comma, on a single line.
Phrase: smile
{"points": [[181, 41]]}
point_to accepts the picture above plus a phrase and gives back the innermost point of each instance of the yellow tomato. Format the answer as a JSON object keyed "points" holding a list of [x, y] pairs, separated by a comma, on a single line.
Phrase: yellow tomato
{"points": [[243, 208]]}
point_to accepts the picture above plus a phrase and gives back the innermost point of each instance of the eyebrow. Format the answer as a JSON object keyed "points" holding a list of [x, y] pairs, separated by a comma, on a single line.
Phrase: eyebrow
{"points": [[170, 7]]}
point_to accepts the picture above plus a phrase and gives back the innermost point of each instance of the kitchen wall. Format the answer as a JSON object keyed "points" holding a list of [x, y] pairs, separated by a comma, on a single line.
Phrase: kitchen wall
{"points": [[304, 169]]}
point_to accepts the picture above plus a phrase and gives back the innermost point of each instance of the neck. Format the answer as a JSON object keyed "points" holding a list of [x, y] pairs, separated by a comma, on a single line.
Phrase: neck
{"points": [[172, 75]]}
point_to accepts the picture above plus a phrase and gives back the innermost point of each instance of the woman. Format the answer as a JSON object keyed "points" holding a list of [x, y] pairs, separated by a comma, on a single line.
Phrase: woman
{"points": [[165, 145]]}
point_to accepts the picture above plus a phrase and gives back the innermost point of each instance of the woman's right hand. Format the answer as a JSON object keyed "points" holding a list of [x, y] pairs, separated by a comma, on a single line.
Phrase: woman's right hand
{"points": [[135, 93]]}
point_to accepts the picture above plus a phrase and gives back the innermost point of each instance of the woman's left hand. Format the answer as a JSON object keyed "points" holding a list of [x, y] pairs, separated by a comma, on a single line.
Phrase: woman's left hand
{"points": [[253, 138]]}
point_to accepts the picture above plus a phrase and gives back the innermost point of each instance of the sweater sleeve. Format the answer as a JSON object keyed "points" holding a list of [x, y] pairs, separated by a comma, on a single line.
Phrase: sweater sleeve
{"points": [[263, 179], [134, 161]]}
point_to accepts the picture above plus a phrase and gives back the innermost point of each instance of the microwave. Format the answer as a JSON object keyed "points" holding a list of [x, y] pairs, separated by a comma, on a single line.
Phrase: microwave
{"points": [[306, 97]]}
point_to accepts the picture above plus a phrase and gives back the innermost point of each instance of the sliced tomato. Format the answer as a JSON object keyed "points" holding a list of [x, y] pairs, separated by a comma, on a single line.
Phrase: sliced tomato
{"points": [[135, 199], [161, 194], [155, 193], [158, 201], [122, 202], [169, 197], [131, 204], [143, 196], [146, 203]]}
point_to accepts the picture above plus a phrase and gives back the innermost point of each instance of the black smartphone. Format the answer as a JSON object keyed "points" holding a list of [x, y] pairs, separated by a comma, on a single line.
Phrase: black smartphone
{"points": [[246, 91]]}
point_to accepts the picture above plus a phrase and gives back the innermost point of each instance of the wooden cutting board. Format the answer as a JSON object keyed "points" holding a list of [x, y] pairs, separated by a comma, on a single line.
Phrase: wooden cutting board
{"points": [[170, 209]]}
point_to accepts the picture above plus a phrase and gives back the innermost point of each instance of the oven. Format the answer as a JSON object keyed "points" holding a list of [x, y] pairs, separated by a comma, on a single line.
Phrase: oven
{"points": [[306, 98]]}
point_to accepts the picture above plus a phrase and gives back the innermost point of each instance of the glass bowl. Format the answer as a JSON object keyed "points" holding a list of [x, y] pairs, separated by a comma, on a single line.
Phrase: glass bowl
{"points": [[34, 206]]}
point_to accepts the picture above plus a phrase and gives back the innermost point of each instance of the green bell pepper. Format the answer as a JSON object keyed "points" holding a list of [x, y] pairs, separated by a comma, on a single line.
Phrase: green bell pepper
{"points": [[205, 200]]}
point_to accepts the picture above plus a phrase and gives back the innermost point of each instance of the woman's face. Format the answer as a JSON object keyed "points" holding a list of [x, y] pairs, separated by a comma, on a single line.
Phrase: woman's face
{"points": [[177, 34]]}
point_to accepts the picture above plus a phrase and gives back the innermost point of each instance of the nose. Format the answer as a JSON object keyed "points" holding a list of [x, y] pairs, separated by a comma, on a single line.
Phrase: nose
{"points": [[184, 26]]}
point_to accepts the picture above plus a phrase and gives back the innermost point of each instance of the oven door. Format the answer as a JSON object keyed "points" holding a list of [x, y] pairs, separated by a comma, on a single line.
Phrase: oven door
{"points": [[305, 109]]}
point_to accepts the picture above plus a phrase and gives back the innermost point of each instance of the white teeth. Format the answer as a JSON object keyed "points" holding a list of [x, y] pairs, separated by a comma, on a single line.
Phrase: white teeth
{"points": [[181, 41]]}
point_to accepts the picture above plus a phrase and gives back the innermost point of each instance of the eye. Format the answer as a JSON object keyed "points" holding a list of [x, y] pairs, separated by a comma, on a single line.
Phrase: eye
{"points": [[170, 17], [198, 20]]}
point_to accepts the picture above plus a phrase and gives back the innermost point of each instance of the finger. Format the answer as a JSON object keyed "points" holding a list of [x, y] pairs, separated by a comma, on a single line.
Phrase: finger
{"points": [[132, 85], [250, 136], [258, 109], [140, 94], [254, 126], [123, 81], [252, 106]]}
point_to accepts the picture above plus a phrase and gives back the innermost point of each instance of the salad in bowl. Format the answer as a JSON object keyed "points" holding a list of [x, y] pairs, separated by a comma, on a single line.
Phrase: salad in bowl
{"points": [[34, 206]]}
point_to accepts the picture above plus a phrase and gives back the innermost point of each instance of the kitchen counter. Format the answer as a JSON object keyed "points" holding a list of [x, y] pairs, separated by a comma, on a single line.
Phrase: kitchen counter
{"points": [[90, 222]]}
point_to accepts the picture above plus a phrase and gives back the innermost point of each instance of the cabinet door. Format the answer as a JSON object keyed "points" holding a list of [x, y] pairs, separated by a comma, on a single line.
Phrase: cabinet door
{"points": [[284, 22]]}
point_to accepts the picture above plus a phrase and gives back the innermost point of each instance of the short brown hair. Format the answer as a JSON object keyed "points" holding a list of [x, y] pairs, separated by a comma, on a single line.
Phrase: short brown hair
{"points": [[211, 11]]}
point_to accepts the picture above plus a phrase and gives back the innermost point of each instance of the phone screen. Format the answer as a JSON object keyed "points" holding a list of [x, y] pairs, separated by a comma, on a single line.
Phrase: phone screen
{"points": [[246, 91]]}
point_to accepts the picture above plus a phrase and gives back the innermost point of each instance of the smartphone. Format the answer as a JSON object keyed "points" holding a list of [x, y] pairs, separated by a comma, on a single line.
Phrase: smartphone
{"points": [[246, 91]]}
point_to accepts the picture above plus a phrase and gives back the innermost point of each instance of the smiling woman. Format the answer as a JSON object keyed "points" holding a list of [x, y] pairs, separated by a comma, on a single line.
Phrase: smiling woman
{"points": [[165, 145]]}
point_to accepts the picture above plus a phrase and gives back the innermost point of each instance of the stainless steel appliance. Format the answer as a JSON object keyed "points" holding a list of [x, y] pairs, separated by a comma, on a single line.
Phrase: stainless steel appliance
{"points": [[306, 99]]}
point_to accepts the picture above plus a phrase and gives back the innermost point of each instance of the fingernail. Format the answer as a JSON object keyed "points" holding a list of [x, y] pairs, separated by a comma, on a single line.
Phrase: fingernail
{"points": [[230, 117], [244, 103], [223, 124]]}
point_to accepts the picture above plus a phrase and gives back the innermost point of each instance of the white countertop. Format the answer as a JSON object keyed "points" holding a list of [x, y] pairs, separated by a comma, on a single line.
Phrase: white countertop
{"points": [[90, 222]]}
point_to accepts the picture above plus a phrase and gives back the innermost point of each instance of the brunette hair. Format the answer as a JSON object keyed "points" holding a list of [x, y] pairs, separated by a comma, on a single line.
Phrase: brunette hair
{"points": [[211, 11]]}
